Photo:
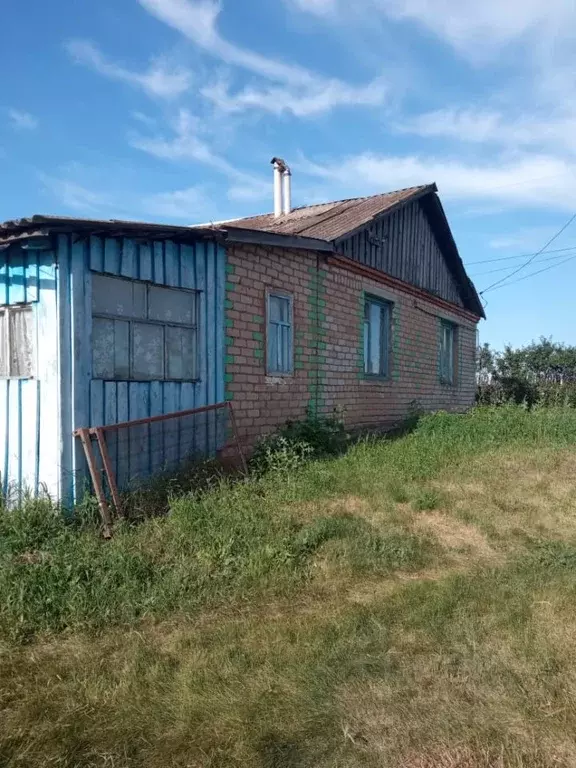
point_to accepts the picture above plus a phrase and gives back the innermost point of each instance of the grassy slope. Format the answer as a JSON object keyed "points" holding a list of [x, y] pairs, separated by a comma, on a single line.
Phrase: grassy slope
{"points": [[412, 604]]}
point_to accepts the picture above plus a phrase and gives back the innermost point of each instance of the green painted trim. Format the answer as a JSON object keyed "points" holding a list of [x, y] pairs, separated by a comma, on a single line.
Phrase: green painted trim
{"points": [[228, 304], [258, 319], [229, 322], [229, 359], [230, 286], [259, 354], [228, 378], [230, 341], [230, 268], [257, 335], [228, 396]]}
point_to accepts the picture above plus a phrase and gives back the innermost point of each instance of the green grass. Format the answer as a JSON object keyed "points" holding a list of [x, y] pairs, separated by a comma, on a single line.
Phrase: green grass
{"points": [[411, 603]]}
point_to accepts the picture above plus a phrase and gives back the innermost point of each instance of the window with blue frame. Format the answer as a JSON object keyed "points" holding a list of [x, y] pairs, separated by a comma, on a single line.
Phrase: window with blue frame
{"points": [[377, 333], [448, 337], [279, 335]]}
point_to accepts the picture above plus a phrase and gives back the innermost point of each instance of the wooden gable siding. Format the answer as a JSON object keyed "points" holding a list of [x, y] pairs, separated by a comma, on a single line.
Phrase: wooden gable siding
{"points": [[403, 245]]}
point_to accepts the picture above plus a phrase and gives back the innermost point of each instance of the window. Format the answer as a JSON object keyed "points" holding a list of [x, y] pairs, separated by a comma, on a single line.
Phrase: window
{"points": [[279, 335], [447, 351], [142, 332], [16, 342], [377, 316]]}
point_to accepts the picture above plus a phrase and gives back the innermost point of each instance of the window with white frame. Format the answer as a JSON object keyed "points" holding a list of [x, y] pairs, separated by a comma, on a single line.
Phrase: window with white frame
{"points": [[448, 340], [279, 335], [377, 323], [16, 341], [143, 332]]}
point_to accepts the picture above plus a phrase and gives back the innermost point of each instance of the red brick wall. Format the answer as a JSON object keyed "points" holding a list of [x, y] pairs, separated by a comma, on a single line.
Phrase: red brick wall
{"points": [[328, 303]]}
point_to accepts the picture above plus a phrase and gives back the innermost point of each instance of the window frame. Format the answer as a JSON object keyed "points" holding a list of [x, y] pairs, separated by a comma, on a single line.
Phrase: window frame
{"points": [[131, 321], [7, 310], [278, 294], [452, 379], [385, 339]]}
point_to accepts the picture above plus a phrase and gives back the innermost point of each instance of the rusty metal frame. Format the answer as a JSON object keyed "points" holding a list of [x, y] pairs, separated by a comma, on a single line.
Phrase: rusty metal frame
{"points": [[110, 475], [86, 434]]}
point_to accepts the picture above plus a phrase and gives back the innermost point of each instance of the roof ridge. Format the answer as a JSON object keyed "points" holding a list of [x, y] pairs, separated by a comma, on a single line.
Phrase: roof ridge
{"points": [[351, 199]]}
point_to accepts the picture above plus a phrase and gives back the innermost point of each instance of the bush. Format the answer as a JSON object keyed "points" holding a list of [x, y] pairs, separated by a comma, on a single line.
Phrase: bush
{"points": [[297, 442], [277, 453]]}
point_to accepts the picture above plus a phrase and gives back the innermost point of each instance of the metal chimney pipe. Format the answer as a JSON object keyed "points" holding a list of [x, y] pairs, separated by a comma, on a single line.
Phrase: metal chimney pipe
{"points": [[287, 191], [278, 194]]}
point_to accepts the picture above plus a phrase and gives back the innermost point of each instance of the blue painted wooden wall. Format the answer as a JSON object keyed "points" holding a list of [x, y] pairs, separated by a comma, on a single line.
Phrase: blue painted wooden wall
{"points": [[91, 402], [29, 423], [38, 416]]}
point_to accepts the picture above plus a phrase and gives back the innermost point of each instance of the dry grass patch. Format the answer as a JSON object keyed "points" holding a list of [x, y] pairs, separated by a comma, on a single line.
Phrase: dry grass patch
{"points": [[462, 540], [516, 496]]}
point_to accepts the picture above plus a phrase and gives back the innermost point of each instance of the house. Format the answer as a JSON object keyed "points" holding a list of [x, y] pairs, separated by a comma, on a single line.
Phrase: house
{"points": [[360, 304]]}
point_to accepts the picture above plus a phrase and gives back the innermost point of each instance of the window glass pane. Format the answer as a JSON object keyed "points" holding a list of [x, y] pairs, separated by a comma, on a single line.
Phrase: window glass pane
{"points": [[279, 335], [447, 353], [181, 353], [366, 345], [171, 306], [375, 339], [20, 342], [274, 309], [285, 347], [147, 352], [110, 349], [279, 309], [272, 347], [4, 351], [121, 298]]}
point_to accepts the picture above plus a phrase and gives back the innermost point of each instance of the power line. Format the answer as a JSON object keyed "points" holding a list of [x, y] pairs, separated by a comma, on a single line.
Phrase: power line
{"points": [[541, 261], [531, 259], [530, 274], [518, 256]]}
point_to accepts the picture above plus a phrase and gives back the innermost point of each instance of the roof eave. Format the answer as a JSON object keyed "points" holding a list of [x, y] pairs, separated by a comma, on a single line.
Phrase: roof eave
{"points": [[240, 235], [469, 293]]}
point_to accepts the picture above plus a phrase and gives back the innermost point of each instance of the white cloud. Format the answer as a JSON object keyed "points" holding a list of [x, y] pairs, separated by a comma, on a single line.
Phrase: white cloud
{"points": [[74, 195], [471, 26], [523, 240], [536, 181], [196, 20], [189, 204], [21, 120], [305, 93], [187, 143], [301, 102], [475, 29], [554, 129], [159, 79], [317, 7]]}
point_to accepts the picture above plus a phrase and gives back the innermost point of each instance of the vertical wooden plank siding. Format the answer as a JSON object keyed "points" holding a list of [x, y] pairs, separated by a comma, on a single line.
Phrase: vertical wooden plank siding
{"points": [[200, 266], [39, 415], [403, 245], [29, 423]]}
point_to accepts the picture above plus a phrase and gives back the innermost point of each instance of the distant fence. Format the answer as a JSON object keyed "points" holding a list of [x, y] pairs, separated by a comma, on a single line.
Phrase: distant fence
{"points": [[124, 457]]}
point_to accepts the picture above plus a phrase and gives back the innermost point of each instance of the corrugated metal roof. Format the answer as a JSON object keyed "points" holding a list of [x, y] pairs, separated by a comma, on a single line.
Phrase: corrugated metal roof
{"points": [[330, 221]]}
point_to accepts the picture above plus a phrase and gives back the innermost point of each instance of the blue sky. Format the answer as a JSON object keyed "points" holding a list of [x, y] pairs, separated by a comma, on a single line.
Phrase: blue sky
{"points": [[170, 110]]}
